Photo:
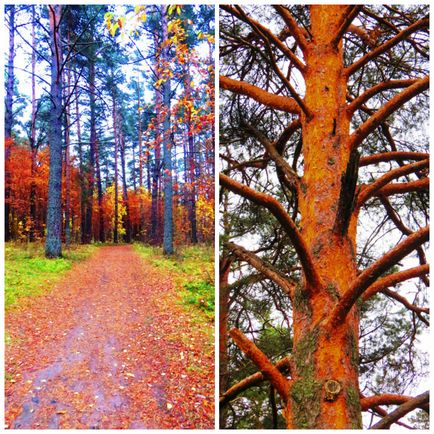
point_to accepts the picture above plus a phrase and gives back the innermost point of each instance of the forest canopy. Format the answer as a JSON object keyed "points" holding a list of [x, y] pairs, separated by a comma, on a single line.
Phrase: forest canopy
{"points": [[109, 124]]}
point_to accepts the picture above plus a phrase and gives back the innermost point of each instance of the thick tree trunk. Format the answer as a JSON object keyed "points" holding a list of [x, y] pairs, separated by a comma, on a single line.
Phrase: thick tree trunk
{"points": [[191, 160], [156, 168], [224, 271], [100, 194], [67, 164], [81, 167], [167, 149], [9, 115], [91, 166], [10, 69], [127, 221], [142, 211], [53, 242], [33, 145], [325, 360], [116, 138]]}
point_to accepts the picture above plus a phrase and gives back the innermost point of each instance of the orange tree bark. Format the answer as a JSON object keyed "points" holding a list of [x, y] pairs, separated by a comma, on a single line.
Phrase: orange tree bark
{"points": [[323, 389]]}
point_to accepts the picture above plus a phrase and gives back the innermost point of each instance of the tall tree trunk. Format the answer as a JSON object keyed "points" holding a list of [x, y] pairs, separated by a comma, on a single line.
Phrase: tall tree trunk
{"points": [[53, 242], [167, 148], [116, 211], [91, 165], [10, 69], [224, 271], [127, 221], [156, 168], [142, 211], [325, 359], [9, 116], [191, 160], [33, 145], [81, 166], [67, 163], [100, 194]]}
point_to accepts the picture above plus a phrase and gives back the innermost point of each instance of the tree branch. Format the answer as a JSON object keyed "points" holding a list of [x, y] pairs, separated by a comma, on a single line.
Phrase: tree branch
{"points": [[349, 16], [276, 208], [395, 278], [424, 23], [404, 187], [280, 162], [266, 269], [386, 110], [269, 35], [372, 273], [374, 90], [405, 230], [270, 372], [392, 156], [410, 306], [280, 143], [294, 28], [386, 399], [283, 366], [271, 100], [370, 190], [402, 410]]}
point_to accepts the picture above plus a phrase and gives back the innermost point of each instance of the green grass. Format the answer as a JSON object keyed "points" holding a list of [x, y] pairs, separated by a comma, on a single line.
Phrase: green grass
{"points": [[192, 269], [28, 273]]}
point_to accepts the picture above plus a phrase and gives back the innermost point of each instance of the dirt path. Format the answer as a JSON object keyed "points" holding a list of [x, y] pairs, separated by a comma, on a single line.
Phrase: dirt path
{"points": [[109, 348]]}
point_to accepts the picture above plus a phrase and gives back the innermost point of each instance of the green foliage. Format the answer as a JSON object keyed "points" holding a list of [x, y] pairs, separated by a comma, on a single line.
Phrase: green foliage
{"points": [[28, 273], [192, 270], [201, 294]]}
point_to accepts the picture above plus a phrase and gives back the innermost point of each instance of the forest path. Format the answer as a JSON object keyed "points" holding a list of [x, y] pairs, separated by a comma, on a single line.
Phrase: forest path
{"points": [[108, 348]]}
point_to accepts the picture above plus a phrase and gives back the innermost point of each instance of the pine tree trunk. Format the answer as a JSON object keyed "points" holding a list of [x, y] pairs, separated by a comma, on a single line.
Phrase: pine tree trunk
{"points": [[91, 166], [323, 357], [100, 194], [127, 221], [191, 160], [156, 168], [116, 210], [224, 271], [53, 242], [142, 211], [33, 145], [67, 165], [9, 115], [81, 166], [167, 149]]}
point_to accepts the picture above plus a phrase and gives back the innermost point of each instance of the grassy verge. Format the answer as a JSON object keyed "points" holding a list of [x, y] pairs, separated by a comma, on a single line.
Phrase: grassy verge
{"points": [[28, 273], [192, 270]]}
